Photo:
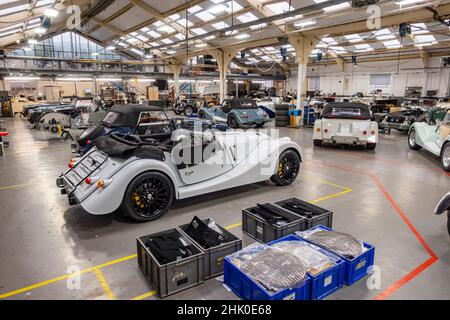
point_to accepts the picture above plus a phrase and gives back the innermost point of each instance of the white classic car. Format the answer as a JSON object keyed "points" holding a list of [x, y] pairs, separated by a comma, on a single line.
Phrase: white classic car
{"points": [[433, 138], [346, 123], [144, 176]]}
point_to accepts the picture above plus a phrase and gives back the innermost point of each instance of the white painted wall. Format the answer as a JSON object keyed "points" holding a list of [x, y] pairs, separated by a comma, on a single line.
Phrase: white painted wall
{"points": [[358, 79]]}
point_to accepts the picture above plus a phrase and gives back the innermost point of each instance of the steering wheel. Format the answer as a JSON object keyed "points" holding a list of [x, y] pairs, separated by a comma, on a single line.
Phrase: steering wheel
{"points": [[136, 143]]}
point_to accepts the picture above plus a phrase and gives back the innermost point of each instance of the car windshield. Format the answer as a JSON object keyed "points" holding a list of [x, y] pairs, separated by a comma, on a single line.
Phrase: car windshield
{"points": [[243, 104], [331, 112]]}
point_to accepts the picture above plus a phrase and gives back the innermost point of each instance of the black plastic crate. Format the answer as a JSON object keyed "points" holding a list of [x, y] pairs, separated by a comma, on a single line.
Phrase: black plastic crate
{"points": [[318, 216], [261, 230], [175, 276], [215, 256]]}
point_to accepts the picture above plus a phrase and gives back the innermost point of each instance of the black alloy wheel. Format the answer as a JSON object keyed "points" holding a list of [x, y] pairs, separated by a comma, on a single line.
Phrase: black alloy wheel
{"points": [[288, 168], [148, 196]]}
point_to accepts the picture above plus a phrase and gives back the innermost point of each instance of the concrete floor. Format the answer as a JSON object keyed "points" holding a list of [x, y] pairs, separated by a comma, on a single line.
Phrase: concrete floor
{"points": [[384, 197]]}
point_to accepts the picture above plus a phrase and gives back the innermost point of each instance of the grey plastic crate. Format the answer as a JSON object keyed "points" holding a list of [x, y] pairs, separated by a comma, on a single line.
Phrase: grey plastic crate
{"points": [[259, 229], [321, 216], [172, 277], [214, 257]]}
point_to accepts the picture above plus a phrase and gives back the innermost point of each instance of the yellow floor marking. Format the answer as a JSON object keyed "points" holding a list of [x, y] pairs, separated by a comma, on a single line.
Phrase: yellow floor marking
{"points": [[233, 225], [104, 284], [44, 283], [145, 295], [148, 294], [15, 186]]}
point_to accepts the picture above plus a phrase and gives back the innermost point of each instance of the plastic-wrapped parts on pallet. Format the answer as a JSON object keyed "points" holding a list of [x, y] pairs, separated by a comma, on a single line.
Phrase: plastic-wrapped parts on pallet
{"points": [[273, 268], [314, 260], [337, 242], [169, 247], [208, 235]]}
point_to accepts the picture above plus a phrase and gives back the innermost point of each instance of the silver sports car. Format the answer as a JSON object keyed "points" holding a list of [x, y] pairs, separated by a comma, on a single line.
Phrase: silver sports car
{"points": [[143, 175]]}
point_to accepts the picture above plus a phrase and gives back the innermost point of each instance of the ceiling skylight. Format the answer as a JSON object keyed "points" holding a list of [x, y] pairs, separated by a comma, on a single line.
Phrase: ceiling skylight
{"points": [[220, 25], [205, 16], [279, 7]]}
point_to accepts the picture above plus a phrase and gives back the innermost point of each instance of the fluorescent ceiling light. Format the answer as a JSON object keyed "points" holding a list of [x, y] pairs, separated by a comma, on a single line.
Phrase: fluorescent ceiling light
{"points": [[242, 36], [158, 23], [154, 44], [74, 79], [32, 41], [217, 1], [171, 52], [27, 49], [407, 2], [247, 17], [109, 79], [205, 16], [110, 48], [194, 9], [337, 7], [201, 45], [217, 9], [210, 37], [22, 78], [94, 53], [14, 26], [338, 49], [145, 79], [258, 26], [145, 29], [198, 31], [279, 7], [50, 12], [304, 23], [41, 3]]}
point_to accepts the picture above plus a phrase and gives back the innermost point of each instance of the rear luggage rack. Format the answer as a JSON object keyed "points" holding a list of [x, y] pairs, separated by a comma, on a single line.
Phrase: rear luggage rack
{"points": [[81, 165]]}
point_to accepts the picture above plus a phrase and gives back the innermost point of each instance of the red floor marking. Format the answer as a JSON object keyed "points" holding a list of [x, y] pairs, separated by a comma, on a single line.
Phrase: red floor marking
{"points": [[404, 280], [397, 285], [399, 163]]}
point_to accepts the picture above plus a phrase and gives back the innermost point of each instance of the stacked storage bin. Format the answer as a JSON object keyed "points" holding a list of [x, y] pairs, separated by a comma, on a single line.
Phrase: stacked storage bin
{"points": [[179, 275], [356, 268]]}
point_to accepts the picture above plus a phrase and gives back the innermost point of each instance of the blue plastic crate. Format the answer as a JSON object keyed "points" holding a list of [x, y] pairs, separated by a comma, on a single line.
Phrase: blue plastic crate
{"points": [[247, 289], [356, 268], [327, 281]]}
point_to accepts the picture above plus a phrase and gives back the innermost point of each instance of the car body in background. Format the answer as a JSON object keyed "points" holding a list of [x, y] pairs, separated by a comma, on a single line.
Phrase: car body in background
{"points": [[143, 177], [444, 206], [346, 123], [186, 107], [434, 138], [401, 120], [236, 113]]}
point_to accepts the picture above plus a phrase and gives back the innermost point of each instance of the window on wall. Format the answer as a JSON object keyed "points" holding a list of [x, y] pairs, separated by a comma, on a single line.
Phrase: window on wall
{"points": [[313, 83], [380, 82]]}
